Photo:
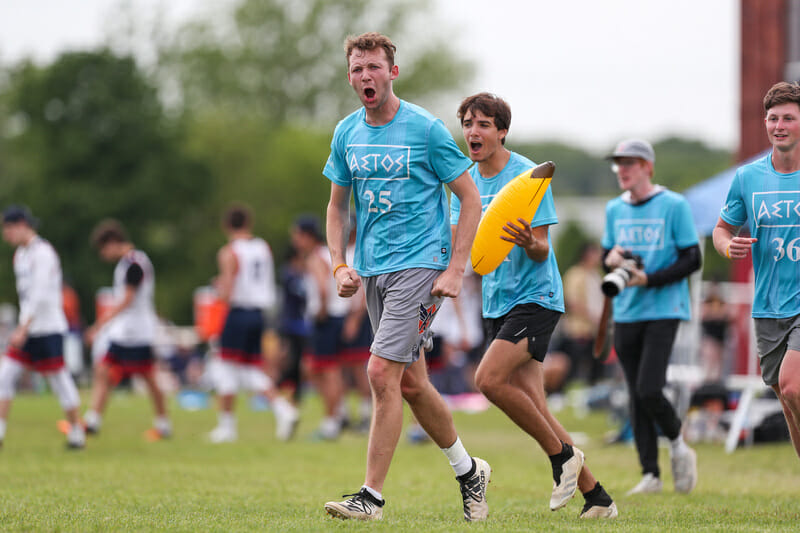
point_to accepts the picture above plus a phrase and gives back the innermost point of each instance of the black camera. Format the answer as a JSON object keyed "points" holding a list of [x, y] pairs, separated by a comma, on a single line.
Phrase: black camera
{"points": [[618, 279]]}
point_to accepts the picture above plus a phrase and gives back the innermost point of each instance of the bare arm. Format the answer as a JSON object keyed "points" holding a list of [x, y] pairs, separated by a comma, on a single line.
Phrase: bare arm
{"points": [[449, 282], [227, 264], [337, 220], [728, 244]]}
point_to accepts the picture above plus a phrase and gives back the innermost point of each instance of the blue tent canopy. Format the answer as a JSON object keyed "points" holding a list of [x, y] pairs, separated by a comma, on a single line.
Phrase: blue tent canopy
{"points": [[706, 198]]}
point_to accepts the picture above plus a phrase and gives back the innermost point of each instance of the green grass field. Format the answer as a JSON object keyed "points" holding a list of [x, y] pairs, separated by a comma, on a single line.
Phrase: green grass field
{"points": [[123, 483]]}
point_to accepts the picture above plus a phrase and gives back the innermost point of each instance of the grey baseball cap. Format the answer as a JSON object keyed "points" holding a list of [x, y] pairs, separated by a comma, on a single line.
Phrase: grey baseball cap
{"points": [[634, 148]]}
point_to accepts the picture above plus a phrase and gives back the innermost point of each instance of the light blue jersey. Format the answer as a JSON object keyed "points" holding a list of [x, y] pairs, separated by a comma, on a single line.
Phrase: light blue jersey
{"points": [[518, 279], [397, 172], [655, 229], [769, 202]]}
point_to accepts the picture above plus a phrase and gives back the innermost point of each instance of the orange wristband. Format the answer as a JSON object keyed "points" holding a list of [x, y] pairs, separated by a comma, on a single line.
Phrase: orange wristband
{"points": [[728, 251], [338, 267]]}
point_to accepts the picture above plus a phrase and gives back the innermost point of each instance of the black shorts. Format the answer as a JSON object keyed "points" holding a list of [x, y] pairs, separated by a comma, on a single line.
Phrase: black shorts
{"points": [[531, 321]]}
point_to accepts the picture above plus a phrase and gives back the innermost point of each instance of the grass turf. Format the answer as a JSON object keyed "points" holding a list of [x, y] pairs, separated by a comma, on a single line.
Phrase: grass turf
{"points": [[121, 482]]}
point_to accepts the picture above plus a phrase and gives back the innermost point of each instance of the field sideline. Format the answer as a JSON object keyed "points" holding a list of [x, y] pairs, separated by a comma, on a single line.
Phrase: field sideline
{"points": [[123, 483]]}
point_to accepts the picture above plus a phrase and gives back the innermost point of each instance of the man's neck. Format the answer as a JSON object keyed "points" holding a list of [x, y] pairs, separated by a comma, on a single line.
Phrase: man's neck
{"points": [[491, 167], [240, 234], [383, 114], [786, 162], [643, 192]]}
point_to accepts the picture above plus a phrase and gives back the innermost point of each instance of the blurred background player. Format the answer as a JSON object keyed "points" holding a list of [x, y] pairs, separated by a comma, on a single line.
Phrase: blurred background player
{"points": [[656, 224], [356, 340], [129, 327], [37, 343], [246, 282], [327, 311], [294, 326], [522, 303]]}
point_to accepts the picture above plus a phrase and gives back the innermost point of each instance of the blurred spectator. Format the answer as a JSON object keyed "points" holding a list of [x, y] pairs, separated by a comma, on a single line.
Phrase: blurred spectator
{"points": [[584, 304], [715, 320]]}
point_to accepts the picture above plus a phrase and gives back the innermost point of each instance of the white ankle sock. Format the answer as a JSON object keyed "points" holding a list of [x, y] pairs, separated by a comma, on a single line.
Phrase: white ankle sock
{"points": [[460, 460], [93, 418], [678, 445]]}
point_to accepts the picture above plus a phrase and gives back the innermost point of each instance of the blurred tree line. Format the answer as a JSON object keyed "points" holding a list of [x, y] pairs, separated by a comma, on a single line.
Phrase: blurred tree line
{"points": [[238, 106]]}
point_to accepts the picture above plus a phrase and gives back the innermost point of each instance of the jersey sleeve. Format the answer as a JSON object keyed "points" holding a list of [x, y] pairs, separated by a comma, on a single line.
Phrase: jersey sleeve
{"points": [[683, 225], [546, 214], [734, 211], [336, 168], [608, 233], [446, 159]]}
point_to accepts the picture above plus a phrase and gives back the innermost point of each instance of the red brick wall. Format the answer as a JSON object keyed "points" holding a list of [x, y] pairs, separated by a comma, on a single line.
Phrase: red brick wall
{"points": [[763, 40]]}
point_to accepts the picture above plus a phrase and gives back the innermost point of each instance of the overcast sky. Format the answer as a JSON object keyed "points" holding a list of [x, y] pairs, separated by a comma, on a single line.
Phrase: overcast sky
{"points": [[584, 72]]}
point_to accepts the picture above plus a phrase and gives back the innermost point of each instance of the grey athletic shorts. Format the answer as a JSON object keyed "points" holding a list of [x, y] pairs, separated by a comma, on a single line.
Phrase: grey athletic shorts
{"points": [[773, 337], [401, 309]]}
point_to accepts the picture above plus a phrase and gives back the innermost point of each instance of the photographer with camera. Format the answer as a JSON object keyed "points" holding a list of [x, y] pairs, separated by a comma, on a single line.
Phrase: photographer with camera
{"points": [[651, 247]]}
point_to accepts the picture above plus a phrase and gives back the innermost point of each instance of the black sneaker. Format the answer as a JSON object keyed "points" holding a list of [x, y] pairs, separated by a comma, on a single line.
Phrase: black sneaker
{"points": [[360, 506], [473, 491]]}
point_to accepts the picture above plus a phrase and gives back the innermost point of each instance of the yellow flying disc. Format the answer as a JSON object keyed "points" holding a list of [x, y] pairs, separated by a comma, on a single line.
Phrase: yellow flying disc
{"points": [[519, 198]]}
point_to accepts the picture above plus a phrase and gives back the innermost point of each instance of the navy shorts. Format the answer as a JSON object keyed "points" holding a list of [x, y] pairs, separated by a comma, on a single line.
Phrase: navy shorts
{"points": [[130, 359], [325, 348], [240, 341], [43, 353], [357, 350], [531, 321]]}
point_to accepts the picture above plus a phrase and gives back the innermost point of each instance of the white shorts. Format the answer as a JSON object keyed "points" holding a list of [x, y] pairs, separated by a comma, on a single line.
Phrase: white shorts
{"points": [[230, 378]]}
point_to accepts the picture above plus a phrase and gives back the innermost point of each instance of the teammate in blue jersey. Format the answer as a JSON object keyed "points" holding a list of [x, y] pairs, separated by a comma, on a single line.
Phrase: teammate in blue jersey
{"points": [[764, 195], [522, 303], [656, 224], [395, 158]]}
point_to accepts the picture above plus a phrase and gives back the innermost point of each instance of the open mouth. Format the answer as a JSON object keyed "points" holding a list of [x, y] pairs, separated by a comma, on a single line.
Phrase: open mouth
{"points": [[475, 146], [369, 92]]}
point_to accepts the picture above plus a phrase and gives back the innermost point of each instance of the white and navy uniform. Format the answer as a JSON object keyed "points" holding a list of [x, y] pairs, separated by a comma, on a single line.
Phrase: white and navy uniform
{"points": [[38, 273], [253, 292], [326, 347], [132, 332]]}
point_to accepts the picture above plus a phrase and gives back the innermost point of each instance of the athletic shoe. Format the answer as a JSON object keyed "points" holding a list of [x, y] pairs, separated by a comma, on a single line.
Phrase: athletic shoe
{"points": [[286, 419], [76, 438], [599, 511], [684, 470], [649, 484], [359, 506], [64, 426], [221, 434], [155, 434], [328, 430], [473, 491], [564, 490]]}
